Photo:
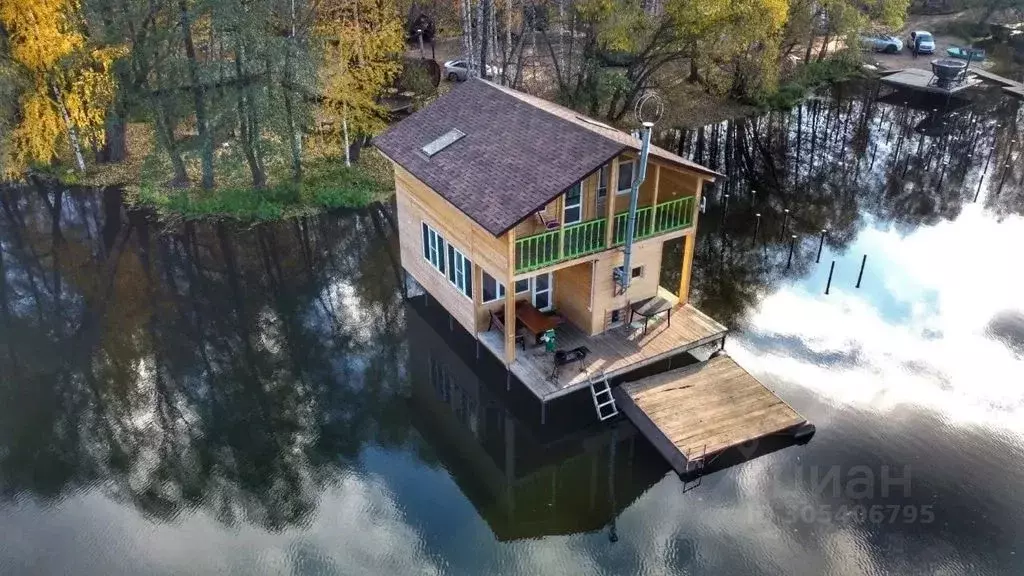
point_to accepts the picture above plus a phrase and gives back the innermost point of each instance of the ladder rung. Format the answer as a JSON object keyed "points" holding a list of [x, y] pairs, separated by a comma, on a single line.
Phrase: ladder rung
{"points": [[608, 403]]}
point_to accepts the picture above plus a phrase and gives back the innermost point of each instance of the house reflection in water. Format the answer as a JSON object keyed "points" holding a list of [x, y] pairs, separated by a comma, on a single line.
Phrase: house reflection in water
{"points": [[523, 483]]}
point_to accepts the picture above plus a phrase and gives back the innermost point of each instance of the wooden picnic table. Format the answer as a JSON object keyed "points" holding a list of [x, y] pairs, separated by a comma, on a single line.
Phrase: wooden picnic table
{"points": [[535, 321]]}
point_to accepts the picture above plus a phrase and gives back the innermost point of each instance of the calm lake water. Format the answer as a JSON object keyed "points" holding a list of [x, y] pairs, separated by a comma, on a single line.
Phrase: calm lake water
{"points": [[208, 399]]}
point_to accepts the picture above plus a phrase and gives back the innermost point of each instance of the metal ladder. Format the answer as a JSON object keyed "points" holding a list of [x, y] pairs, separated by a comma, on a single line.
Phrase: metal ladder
{"points": [[696, 465], [604, 402]]}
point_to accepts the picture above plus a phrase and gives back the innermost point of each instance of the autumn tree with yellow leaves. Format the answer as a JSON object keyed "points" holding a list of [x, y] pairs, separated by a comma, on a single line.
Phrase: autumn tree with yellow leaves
{"points": [[364, 41], [67, 82]]}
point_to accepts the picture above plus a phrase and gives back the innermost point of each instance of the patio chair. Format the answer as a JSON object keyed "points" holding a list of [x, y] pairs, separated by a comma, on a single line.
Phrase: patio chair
{"points": [[548, 223], [498, 321]]}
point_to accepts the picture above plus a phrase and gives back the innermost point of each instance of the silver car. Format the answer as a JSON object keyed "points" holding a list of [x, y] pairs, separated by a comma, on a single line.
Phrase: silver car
{"points": [[886, 44], [458, 71]]}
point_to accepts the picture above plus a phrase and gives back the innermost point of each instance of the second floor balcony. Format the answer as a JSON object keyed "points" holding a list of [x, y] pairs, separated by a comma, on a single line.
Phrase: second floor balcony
{"points": [[580, 239]]}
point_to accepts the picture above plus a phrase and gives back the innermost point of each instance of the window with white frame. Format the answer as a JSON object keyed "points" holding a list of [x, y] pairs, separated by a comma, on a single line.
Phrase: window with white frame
{"points": [[602, 182], [626, 170], [492, 289], [573, 211], [460, 271], [433, 248]]}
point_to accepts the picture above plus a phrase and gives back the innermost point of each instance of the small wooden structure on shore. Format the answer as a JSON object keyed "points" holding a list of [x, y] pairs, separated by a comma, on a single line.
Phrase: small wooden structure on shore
{"points": [[542, 233]]}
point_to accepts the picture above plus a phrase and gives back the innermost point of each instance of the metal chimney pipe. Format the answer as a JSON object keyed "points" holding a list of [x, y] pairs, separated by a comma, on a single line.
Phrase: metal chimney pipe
{"points": [[638, 179]]}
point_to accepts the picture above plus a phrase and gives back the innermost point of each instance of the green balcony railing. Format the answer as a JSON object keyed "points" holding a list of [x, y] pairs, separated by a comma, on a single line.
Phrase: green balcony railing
{"points": [[583, 238], [659, 219], [674, 215], [544, 249], [537, 251]]}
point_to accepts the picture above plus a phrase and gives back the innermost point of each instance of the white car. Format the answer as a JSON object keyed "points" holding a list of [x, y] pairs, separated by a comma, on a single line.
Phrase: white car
{"points": [[924, 41], [883, 43], [458, 71]]}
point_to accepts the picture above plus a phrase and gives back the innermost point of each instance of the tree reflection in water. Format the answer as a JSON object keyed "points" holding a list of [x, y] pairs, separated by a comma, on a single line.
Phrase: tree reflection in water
{"points": [[861, 155], [235, 371]]}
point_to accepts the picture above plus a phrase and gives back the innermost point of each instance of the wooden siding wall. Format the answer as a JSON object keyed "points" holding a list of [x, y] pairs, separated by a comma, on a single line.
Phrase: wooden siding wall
{"points": [[553, 211], [677, 184], [646, 254], [572, 295], [417, 204]]}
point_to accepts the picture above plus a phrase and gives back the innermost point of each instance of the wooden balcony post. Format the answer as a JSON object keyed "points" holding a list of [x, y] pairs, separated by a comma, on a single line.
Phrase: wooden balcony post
{"points": [[609, 202], [684, 278], [510, 300], [560, 206], [654, 200]]}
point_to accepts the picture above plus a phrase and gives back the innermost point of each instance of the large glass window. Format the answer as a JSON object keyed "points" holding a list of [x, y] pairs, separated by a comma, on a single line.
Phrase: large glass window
{"points": [[573, 205], [493, 290], [626, 169], [602, 182], [542, 292], [460, 271], [433, 248]]}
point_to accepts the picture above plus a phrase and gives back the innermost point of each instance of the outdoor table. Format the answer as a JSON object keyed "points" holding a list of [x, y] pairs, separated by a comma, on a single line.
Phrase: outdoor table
{"points": [[535, 321], [650, 308]]}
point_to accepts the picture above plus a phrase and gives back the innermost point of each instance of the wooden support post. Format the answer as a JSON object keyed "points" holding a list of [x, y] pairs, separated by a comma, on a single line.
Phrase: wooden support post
{"points": [[654, 199], [689, 247], [560, 205], [510, 300], [478, 297], [684, 279], [609, 203]]}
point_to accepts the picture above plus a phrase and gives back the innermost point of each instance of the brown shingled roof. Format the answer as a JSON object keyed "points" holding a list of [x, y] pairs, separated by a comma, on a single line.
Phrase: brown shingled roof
{"points": [[519, 152]]}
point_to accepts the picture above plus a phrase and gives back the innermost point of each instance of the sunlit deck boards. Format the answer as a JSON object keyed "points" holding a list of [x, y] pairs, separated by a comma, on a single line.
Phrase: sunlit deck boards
{"points": [[703, 409], [614, 352], [917, 79]]}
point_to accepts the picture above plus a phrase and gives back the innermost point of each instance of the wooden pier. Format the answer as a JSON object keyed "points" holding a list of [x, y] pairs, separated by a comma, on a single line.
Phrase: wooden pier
{"points": [[917, 79], [692, 414]]}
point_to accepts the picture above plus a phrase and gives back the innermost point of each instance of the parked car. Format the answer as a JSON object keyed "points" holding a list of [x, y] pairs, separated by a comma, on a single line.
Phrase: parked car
{"points": [[458, 71], [924, 41], [882, 43]]}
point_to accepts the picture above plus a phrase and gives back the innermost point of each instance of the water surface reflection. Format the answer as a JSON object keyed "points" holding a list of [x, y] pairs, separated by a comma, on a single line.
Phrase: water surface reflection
{"points": [[205, 398]]}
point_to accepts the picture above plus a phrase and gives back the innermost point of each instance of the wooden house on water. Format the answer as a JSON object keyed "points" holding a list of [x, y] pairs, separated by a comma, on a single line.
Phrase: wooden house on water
{"points": [[515, 215]]}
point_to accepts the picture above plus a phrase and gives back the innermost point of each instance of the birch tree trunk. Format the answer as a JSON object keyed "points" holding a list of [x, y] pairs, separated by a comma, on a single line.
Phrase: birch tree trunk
{"points": [[344, 129], [76, 145], [481, 29], [467, 32], [507, 50], [295, 135]]}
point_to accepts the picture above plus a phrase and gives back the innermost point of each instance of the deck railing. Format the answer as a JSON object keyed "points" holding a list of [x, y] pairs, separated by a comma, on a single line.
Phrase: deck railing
{"points": [[659, 219], [544, 249], [540, 250]]}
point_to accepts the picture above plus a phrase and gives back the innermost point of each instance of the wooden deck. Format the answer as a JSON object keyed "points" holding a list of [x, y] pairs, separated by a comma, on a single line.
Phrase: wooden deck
{"points": [[617, 351], [917, 79], [696, 412]]}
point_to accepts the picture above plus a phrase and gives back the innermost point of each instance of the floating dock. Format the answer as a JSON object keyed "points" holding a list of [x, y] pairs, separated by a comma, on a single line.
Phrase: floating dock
{"points": [[917, 79], [695, 413]]}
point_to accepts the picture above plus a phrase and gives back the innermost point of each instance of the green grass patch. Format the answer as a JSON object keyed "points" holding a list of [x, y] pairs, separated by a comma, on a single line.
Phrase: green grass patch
{"points": [[326, 185], [808, 77]]}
